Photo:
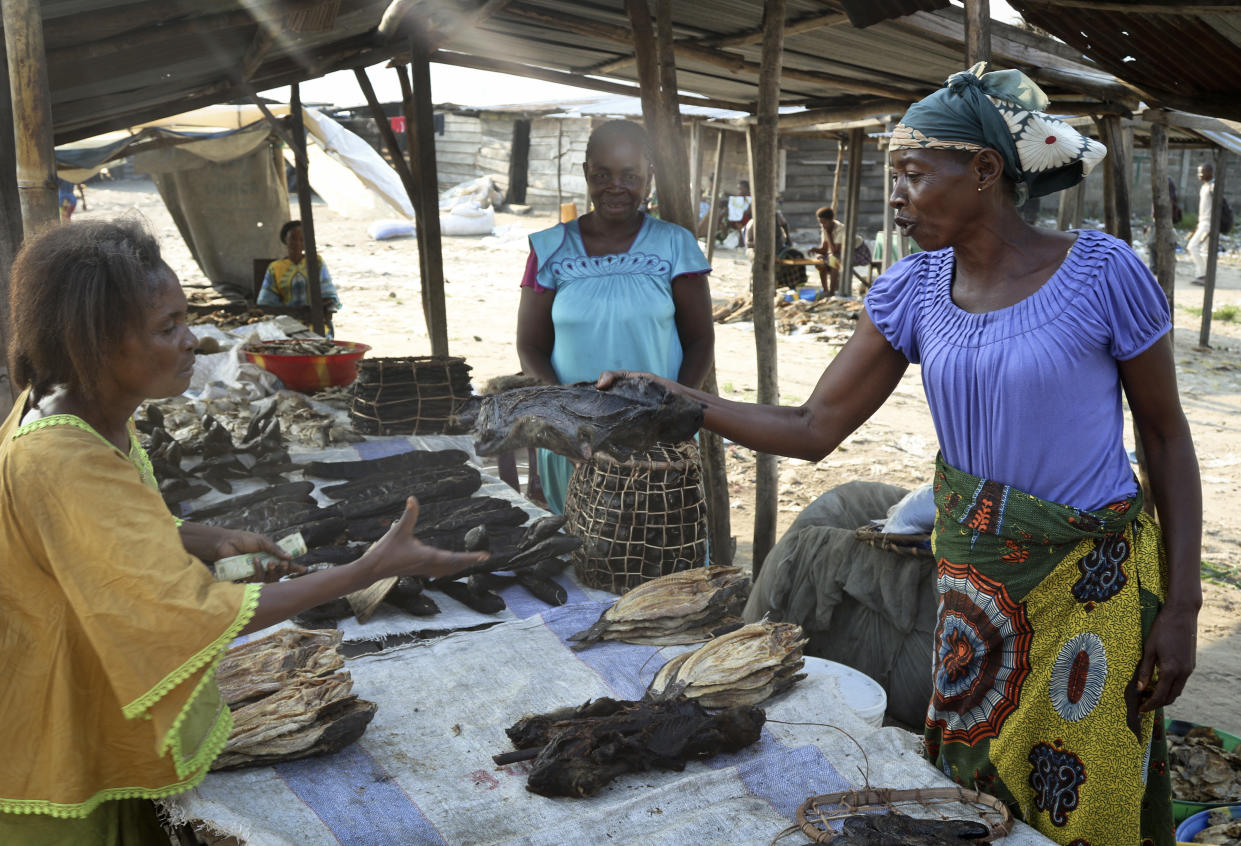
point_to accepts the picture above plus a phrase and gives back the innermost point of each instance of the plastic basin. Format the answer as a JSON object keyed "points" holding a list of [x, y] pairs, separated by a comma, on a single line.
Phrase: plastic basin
{"points": [[1187, 830], [310, 373], [1183, 809]]}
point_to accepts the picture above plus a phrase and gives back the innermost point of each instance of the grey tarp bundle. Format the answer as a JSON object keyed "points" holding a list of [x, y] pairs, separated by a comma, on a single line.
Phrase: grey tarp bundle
{"points": [[863, 607], [229, 208]]}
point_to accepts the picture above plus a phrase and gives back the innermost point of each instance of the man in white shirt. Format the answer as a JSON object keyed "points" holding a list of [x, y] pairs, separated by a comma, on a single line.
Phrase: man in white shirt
{"points": [[1198, 241]]}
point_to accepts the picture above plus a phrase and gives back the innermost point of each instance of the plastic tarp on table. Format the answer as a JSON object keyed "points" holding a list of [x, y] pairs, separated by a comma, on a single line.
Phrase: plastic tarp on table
{"points": [[422, 774]]}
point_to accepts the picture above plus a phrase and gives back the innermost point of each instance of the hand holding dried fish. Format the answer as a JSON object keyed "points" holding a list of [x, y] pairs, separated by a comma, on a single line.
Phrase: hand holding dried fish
{"points": [[579, 420], [581, 750], [682, 607], [743, 667]]}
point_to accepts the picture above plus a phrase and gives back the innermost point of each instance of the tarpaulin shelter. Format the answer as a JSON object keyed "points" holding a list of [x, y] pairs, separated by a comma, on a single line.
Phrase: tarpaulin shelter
{"points": [[221, 173]]}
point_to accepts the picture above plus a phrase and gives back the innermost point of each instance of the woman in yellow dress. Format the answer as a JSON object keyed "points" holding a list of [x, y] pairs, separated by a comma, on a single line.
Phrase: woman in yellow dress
{"points": [[110, 625]]}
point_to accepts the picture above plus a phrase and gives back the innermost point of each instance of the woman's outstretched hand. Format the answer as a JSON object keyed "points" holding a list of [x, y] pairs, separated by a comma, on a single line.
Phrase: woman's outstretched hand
{"points": [[399, 553]]}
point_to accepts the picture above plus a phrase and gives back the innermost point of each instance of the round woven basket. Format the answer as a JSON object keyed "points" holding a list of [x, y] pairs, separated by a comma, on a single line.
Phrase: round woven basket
{"points": [[815, 814], [913, 545], [638, 519], [408, 396]]}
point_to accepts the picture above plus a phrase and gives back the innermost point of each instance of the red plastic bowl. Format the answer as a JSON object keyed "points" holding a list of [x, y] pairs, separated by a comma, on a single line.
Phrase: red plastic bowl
{"points": [[310, 373]]}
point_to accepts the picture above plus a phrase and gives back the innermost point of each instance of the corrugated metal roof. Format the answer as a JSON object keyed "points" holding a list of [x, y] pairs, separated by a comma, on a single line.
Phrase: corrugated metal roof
{"points": [[1188, 60], [113, 63]]}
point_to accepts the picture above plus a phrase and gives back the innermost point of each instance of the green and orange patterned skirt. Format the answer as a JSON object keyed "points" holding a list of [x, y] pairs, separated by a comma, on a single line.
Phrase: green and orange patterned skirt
{"points": [[1043, 613]]}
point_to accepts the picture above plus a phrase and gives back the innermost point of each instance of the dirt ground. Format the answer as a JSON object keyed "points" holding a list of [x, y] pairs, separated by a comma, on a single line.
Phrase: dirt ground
{"points": [[378, 285]]}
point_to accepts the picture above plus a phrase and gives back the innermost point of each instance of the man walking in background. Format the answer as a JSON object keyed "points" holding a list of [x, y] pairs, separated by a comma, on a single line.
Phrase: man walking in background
{"points": [[1198, 241]]}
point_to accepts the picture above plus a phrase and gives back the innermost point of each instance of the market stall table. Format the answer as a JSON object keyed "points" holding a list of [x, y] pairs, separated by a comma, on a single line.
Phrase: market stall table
{"points": [[423, 774]]}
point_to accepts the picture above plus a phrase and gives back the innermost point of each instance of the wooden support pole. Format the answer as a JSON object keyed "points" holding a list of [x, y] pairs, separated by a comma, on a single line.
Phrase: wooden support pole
{"points": [[717, 175], [695, 171], [389, 137], [977, 32], [300, 164], [10, 222], [1069, 211], [840, 165], [660, 110], [1208, 294], [1165, 236], [671, 143], [888, 211], [422, 159], [854, 190], [763, 189], [32, 115], [420, 233], [1116, 179]]}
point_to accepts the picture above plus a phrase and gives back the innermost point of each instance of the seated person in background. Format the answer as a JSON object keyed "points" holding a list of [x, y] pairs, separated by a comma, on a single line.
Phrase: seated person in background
{"points": [[287, 283], [831, 247]]}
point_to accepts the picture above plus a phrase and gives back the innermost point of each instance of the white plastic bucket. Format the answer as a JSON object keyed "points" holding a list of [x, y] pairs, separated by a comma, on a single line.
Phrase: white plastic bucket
{"points": [[859, 691]]}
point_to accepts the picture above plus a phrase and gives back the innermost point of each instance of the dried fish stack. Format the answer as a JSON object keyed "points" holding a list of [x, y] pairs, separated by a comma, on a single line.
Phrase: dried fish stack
{"points": [[403, 396], [683, 607], [743, 667], [1202, 769], [638, 519], [290, 699]]}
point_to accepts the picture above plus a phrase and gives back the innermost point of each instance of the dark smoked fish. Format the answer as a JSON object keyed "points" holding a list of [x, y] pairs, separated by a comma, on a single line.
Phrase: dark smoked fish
{"points": [[579, 420]]}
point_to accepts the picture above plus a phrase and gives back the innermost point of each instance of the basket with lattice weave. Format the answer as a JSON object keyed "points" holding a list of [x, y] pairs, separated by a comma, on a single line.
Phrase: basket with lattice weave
{"points": [[640, 518], [409, 396]]}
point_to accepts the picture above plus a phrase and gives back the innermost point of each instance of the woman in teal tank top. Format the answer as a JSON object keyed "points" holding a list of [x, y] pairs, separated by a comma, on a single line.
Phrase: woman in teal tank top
{"points": [[614, 289]]}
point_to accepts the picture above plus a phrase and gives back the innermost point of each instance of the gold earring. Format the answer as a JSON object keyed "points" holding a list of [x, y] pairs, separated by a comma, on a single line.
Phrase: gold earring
{"points": [[979, 189]]}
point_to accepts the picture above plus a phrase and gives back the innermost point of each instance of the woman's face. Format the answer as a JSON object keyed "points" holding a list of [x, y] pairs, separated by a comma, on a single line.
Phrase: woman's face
{"points": [[155, 359], [935, 194], [617, 177]]}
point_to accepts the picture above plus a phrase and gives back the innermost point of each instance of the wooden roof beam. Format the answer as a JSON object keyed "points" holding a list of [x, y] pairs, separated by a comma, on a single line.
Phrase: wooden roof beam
{"points": [[741, 39], [466, 60], [719, 58]]}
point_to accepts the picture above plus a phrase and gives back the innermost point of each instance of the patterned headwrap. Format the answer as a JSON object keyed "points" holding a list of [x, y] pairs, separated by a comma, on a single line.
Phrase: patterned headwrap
{"points": [[1002, 110]]}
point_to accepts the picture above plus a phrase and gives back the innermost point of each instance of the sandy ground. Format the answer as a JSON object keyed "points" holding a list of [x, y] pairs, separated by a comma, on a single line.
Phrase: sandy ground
{"points": [[378, 285]]}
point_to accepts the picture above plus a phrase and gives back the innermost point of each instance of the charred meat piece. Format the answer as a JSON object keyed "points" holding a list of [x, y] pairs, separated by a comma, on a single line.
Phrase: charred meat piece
{"points": [[579, 420], [585, 748], [900, 830]]}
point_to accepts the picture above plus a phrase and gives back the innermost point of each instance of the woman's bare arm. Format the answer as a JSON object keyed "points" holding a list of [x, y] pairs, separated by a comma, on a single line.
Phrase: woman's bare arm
{"points": [[536, 335], [692, 297], [855, 384], [1150, 386]]}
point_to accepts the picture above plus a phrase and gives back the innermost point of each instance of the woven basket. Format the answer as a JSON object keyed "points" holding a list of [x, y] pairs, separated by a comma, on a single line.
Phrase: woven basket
{"points": [[914, 545], [638, 519], [948, 802], [408, 396]]}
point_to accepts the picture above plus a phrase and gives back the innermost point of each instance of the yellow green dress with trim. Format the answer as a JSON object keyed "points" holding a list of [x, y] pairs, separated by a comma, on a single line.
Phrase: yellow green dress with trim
{"points": [[110, 631]]}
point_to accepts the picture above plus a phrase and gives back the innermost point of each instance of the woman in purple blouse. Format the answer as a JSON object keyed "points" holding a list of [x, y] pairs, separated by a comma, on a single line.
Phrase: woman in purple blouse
{"points": [[1067, 616]]}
